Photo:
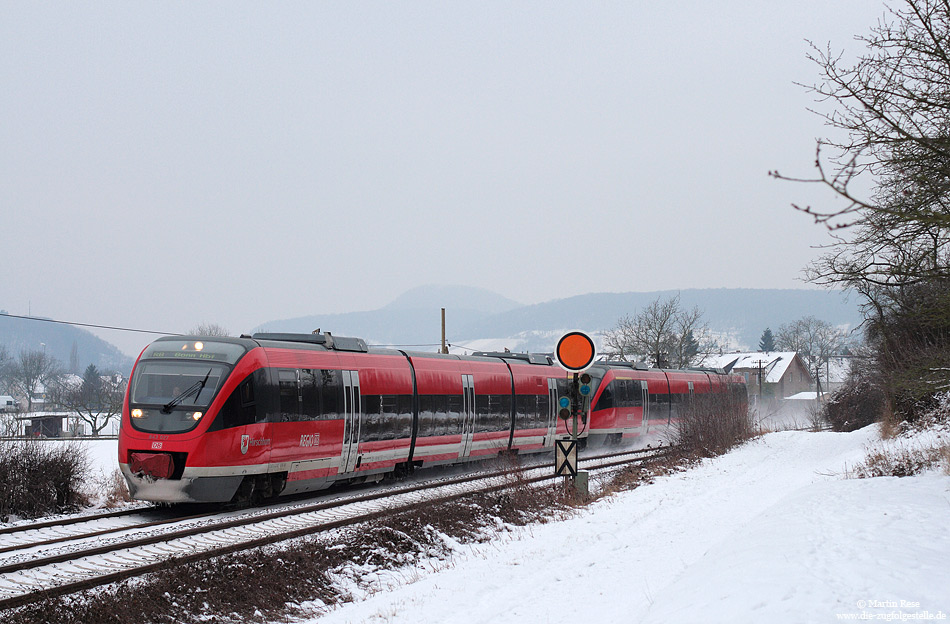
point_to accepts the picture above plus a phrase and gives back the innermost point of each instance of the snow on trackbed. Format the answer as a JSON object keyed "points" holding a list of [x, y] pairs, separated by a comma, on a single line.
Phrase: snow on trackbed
{"points": [[771, 532]]}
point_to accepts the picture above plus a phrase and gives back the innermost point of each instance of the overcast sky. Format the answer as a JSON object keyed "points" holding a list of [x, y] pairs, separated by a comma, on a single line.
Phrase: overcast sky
{"points": [[167, 164]]}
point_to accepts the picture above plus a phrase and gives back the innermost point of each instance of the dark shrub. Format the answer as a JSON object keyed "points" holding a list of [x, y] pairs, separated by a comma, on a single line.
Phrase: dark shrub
{"points": [[39, 478], [910, 337], [855, 405]]}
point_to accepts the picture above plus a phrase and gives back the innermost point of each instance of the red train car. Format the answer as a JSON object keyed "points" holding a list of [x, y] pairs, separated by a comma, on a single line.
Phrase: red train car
{"points": [[222, 419], [630, 399]]}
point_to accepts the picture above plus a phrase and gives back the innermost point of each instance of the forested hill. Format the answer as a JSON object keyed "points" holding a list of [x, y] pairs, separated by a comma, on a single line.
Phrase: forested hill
{"points": [[743, 314], [75, 348]]}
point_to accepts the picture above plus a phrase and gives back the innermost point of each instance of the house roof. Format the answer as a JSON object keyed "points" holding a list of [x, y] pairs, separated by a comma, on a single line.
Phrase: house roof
{"points": [[774, 363], [804, 396]]}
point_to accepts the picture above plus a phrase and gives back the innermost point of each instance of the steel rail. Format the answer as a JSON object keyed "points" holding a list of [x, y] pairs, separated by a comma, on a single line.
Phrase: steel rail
{"points": [[39, 593], [14, 531]]}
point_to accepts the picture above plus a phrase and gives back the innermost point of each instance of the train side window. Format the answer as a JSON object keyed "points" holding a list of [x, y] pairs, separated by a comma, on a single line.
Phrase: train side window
{"points": [[237, 411], [623, 393], [427, 425], [496, 413], [373, 426], [247, 393], [289, 401], [439, 404], [453, 416], [524, 411], [331, 395], [606, 399], [404, 403], [309, 394]]}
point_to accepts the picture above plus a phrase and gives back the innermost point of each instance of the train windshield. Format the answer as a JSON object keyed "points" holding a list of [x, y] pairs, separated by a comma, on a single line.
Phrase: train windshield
{"points": [[175, 382]]}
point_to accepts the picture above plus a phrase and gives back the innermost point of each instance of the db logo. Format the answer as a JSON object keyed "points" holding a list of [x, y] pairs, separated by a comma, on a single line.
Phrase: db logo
{"points": [[156, 446], [245, 442]]}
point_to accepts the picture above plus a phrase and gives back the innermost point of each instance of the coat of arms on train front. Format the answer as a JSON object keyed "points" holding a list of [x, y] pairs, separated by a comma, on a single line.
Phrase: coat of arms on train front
{"points": [[245, 442]]}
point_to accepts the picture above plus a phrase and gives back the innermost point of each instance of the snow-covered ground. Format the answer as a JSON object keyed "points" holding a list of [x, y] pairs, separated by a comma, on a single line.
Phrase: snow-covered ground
{"points": [[771, 532]]}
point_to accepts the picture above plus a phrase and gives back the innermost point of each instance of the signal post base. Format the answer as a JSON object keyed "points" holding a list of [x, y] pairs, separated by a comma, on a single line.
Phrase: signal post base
{"points": [[579, 484]]}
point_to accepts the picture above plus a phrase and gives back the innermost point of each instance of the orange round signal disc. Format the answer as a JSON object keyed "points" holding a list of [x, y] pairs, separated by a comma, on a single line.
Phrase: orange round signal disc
{"points": [[575, 351]]}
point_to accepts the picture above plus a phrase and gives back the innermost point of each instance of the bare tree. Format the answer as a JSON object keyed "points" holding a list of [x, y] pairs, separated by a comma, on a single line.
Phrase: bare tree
{"points": [[6, 364], [31, 370], [692, 341], [209, 329], [891, 110], [816, 341], [661, 333], [97, 400]]}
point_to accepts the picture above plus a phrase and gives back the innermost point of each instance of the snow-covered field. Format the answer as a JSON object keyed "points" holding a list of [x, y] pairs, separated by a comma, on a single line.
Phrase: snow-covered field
{"points": [[771, 532]]}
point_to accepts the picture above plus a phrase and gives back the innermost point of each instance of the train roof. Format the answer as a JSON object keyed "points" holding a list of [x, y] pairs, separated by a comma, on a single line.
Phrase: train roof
{"points": [[531, 358], [326, 340]]}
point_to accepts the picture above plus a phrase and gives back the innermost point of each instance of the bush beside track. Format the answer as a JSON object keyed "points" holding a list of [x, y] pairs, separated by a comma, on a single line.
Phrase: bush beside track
{"points": [[38, 479]]}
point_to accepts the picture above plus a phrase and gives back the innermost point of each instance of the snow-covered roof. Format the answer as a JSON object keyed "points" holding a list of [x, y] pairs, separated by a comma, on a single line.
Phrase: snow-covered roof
{"points": [[773, 363], [804, 396]]}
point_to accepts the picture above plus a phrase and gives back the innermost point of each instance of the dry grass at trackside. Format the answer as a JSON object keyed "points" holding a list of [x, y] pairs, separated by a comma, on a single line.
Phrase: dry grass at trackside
{"points": [[712, 424], [115, 490], [902, 461], [910, 448]]}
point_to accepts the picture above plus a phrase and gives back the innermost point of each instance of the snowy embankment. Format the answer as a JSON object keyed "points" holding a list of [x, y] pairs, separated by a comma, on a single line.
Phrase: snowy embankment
{"points": [[771, 532]]}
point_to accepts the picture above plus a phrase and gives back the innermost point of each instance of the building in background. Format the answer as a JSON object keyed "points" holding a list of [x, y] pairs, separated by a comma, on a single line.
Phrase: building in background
{"points": [[771, 376]]}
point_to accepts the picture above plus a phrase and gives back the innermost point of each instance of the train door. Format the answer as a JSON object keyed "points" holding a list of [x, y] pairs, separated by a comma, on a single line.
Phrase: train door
{"points": [[552, 412], [645, 397], [468, 415], [352, 420]]}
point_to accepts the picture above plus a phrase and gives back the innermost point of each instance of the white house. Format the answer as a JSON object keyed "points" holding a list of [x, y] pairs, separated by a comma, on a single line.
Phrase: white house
{"points": [[8, 404]]}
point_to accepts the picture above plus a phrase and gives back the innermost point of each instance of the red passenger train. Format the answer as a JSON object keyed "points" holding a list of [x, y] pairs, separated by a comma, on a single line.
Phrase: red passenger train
{"points": [[235, 419]]}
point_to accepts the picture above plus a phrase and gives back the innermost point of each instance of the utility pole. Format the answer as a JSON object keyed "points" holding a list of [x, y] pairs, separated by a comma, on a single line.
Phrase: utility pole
{"points": [[760, 363], [444, 348]]}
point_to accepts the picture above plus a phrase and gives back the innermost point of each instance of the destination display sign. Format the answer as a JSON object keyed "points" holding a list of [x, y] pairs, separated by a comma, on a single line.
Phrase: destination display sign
{"points": [[189, 355], [194, 351]]}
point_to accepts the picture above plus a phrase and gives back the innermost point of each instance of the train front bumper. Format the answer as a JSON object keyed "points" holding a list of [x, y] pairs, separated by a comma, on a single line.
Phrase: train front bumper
{"points": [[189, 488]]}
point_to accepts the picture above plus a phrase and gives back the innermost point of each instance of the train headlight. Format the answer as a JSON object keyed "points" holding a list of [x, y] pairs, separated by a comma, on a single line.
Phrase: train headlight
{"points": [[137, 413], [196, 415], [199, 346]]}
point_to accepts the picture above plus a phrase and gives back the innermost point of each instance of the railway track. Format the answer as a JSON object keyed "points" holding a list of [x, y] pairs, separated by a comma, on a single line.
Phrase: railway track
{"points": [[32, 569]]}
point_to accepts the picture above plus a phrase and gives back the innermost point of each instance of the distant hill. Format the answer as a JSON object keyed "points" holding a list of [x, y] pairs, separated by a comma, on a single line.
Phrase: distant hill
{"points": [[453, 297], [742, 314], [476, 314], [481, 319], [18, 334]]}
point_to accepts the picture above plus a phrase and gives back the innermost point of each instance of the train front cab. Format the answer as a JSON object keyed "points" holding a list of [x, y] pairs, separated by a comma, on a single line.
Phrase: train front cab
{"points": [[632, 401], [192, 424], [625, 403]]}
